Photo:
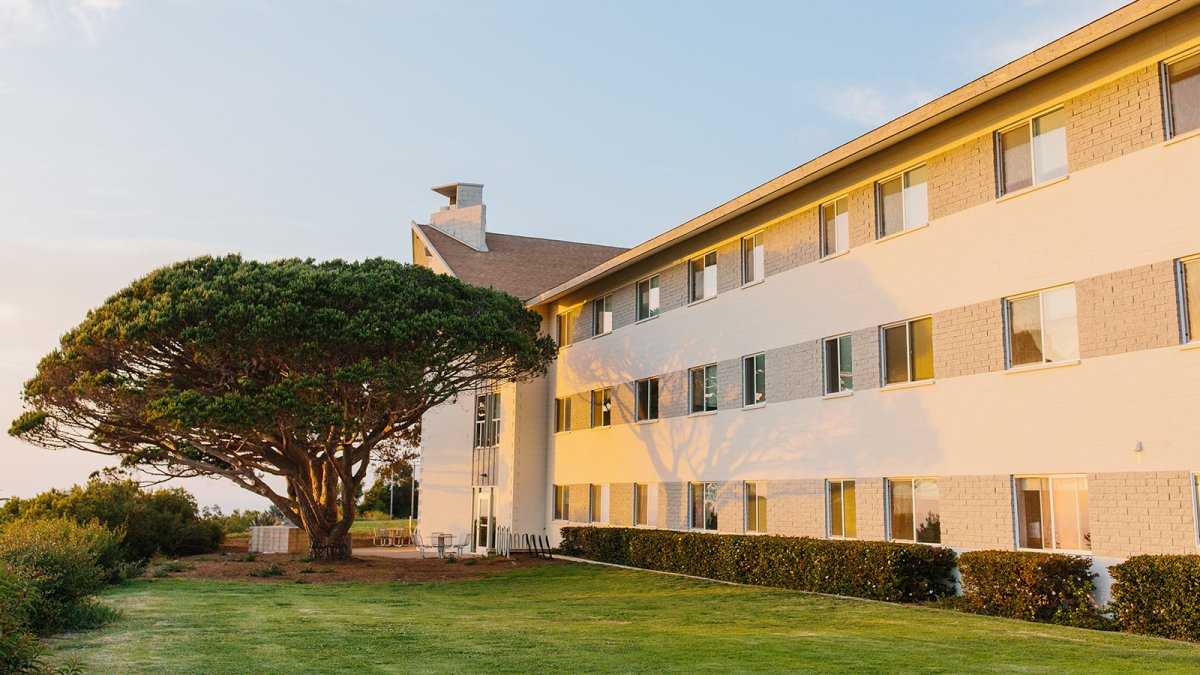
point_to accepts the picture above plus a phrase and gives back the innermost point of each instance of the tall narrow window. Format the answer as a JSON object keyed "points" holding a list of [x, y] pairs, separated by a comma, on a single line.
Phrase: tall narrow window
{"points": [[487, 420], [566, 326], [1032, 152], [602, 315], [1052, 513], [756, 507], [595, 504], [754, 380], [753, 260], [704, 506], [902, 202], [914, 514], [835, 226], [641, 504], [843, 517], [702, 275], [1188, 273], [647, 399], [562, 507], [1042, 327], [562, 414], [647, 298], [839, 365], [1182, 92], [602, 407], [703, 385], [908, 351]]}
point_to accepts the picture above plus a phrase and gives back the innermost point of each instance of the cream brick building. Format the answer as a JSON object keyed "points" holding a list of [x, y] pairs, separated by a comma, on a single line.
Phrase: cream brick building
{"points": [[976, 325]]}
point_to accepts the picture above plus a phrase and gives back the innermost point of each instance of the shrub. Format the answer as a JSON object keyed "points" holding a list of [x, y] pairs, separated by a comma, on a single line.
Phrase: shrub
{"points": [[66, 564], [1158, 595], [272, 570], [1048, 587], [19, 648], [865, 569], [240, 522]]}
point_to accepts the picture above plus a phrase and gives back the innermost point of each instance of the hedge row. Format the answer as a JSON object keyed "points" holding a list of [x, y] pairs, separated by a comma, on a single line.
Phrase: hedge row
{"points": [[1046, 587], [1158, 595], [865, 569]]}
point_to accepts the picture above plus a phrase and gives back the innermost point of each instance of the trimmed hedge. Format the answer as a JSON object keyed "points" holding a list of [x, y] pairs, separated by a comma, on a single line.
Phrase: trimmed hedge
{"points": [[1047, 587], [1158, 595], [866, 569]]}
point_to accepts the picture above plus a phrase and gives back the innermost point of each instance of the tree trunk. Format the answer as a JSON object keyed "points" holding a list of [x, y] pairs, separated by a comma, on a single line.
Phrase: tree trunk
{"points": [[329, 546]]}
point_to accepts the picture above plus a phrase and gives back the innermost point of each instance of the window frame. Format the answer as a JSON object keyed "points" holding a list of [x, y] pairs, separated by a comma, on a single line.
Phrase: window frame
{"points": [[638, 396], [704, 501], [1196, 505], [998, 152], [826, 251], [563, 326], [486, 426], [602, 315], [653, 282], [757, 241], [829, 507], [751, 361], [605, 408], [880, 233], [703, 257], [883, 374], [595, 503], [759, 510], [1016, 512], [836, 340], [887, 508], [562, 503], [562, 414], [641, 491], [1164, 78], [716, 395], [1006, 316], [1187, 332]]}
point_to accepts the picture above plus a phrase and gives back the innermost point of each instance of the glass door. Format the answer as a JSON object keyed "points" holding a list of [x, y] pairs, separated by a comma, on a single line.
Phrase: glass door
{"points": [[483, 534]]}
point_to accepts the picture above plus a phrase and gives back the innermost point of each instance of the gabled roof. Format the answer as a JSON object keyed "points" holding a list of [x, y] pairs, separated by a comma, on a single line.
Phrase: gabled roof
{"points": [[522, 266]]}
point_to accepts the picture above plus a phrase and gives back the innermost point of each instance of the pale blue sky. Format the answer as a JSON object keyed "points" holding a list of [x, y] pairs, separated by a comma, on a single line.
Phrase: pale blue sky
{"points": [[138, 132]]}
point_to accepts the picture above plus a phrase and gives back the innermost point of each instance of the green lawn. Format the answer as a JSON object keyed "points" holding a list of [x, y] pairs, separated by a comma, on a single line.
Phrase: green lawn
{"points": [[574, 618], [364, 526]]}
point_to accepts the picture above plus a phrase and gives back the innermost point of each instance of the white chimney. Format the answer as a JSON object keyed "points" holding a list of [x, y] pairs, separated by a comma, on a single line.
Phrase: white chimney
{"points": [[465, 218]]}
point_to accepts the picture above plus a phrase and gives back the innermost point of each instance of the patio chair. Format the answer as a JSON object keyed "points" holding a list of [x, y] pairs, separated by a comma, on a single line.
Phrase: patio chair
{"points": [[401, 536], [381, 537], [462, 543], [422, 547]]}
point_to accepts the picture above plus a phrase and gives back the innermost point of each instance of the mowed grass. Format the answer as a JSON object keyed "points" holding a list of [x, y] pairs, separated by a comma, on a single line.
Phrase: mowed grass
{"points": [[365, 526], [574, 618]]}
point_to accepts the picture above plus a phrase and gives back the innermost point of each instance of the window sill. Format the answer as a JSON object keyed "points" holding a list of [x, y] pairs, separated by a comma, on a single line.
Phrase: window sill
{"points": [[907, 385], [838, 394], [1032, 188], [756, 406], [839, 254], [705, 413], [1063, 551], [564, 432], [901, 233], [650, 421], [649, 318], [1187, 135], [600, 335], [751, 284], [601, 427], [697, 302], [1042, 366], [1194, 344]]}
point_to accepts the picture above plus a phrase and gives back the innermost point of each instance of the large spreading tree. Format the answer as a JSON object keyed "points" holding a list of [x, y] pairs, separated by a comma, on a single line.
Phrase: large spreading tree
{"points": [[293, 369]]}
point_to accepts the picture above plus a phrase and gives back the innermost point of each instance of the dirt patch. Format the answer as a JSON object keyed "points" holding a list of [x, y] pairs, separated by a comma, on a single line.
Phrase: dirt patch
{"points": [[232, 563]]}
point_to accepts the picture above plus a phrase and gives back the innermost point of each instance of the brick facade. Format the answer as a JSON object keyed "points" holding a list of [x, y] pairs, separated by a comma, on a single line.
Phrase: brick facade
{"points": [[861, 205], [962, 177], [977, 511], [1136, 513], [1114, 119], [794, 372], [792, 242], [620, 504], [868, 502], [731, 500], [796, 508], [673, 506], [968, 340], [1128, 310]]}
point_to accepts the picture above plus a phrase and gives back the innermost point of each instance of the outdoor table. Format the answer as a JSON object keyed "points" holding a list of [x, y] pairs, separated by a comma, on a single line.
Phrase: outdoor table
{"points": [[442, 538]]}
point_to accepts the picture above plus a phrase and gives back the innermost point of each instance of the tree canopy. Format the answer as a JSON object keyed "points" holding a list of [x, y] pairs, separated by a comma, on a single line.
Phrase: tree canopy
{"points": [[297, 369]]}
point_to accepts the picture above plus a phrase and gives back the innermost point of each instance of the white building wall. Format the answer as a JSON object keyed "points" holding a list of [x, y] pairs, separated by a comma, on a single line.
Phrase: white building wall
{"points": [[445, 481]]}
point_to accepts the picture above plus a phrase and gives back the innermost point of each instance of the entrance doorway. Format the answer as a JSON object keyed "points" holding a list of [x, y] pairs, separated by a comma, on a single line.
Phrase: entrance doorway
{"points": [[484, 531]]}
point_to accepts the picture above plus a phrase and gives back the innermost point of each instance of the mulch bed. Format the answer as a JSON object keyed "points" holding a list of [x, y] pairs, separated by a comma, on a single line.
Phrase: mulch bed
{"points": [[231, 563]]}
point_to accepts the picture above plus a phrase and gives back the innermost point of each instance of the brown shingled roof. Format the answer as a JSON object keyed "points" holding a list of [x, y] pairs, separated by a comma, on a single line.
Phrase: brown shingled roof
{"points": [[522, 266]]}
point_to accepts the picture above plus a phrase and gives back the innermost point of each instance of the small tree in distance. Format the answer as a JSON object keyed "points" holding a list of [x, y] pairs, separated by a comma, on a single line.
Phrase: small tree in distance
{"points": [[294, 369]]}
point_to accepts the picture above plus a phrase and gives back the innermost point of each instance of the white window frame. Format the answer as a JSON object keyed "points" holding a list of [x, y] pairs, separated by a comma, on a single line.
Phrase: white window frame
{"points": [[1164, 79], [887, 508], [829, 508], [758, 263], [836, 339], [562, 413], [759, 492], [1187, 333], [653, 283], [704, 379], [826, 249], [908, 344], [703, 504], [566, 323], [709, 281], [751, 361], [903, 176], [637, 399], [998, 149], [487, 428], [1006, 312], [561, 508], [1016, 511], [595, 511], [602, 316], [606, 408]]}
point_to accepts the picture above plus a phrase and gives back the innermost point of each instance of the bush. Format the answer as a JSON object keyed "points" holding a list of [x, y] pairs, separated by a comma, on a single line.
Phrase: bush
{"points": [[1048, 587], [240, 522], [1158, 595], [865, 569], [19, 648], [66, 564]]}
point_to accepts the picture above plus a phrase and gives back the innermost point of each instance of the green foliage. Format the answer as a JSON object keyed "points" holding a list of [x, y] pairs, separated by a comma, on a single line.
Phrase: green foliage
{"points": [[865, 569], [249, 556], [238, 521], [66, 563], [19, 647], [272, 570], [1031, 586], [377, 500], [1158, 595]]}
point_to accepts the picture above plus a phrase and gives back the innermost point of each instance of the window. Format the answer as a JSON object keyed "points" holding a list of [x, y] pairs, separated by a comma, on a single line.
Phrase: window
{"points": [[902, 202], [562, 414], [1182, 92], [602, 315], [702, 275], [704, 506], [1032, 152], [835, 226], [647, 298], [914, 514], [1196, 504], [754, 380], [595, 503], [602, 407], [843, 521], [703, 383], [1188, 273], [647, 399], [562, 505], [487, 420], [1052, 513], [753, 262], [1042, 327], [566, 327], [641, 504], [756, 508], [908, 351], [839, 365]]}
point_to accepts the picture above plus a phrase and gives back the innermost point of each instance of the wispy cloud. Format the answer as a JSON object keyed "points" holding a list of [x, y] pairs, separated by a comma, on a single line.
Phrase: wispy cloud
{"points": [[997, 45], [33, 21], [92, 14], [871, 105]]}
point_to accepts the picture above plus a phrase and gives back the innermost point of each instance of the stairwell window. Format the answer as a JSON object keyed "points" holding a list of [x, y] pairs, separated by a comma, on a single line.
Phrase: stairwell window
{"points": [[562, 506], [703, 386], [562, 414], [1042, 327], [1052, 513], [602, 315], [841, 509], [487, 420], [702, 277], [646, 393], [754, 380], [908, 351], [647, 298], [835, 226], [566, 327], [601, 407], [839, 365], [756, 507], [902, 202], [703, 512], [1181, 93], [1187, 273], [914, 514], [1032, 152], [753, 258]]}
